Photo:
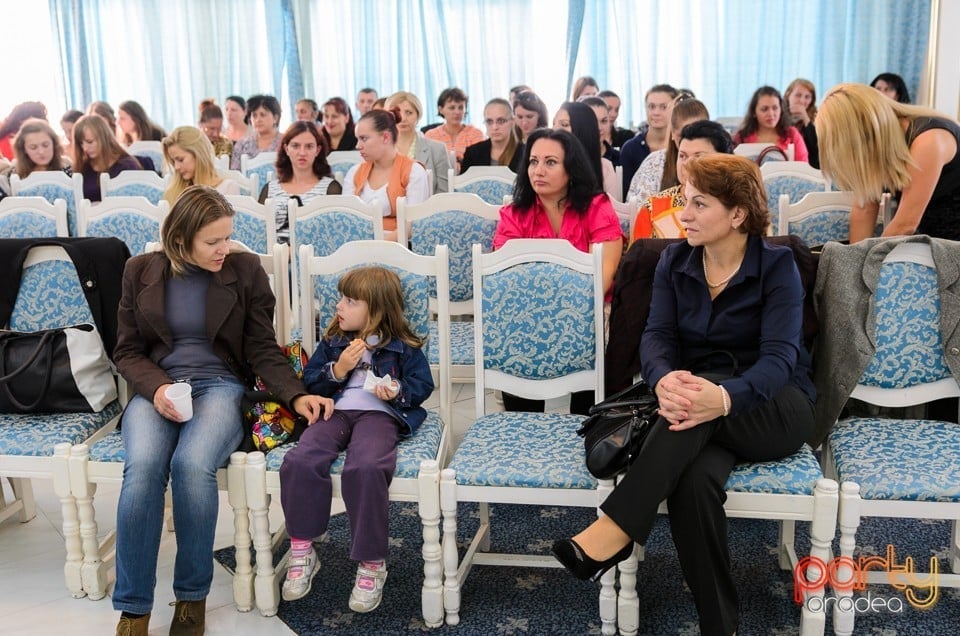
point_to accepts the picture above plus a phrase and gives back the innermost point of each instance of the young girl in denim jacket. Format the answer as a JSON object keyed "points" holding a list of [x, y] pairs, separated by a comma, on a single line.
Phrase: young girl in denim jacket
{"points": [[367, 337]]}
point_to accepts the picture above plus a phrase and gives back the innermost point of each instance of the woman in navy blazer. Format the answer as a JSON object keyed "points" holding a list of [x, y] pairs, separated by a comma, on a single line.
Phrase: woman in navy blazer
{"points": [[723, 348]]}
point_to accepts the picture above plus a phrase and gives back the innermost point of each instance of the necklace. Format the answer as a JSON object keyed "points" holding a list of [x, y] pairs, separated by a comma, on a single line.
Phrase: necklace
{"points": [[721, 283]]}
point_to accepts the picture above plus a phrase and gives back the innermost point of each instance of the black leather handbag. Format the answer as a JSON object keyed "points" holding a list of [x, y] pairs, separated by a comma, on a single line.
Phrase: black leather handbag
{"points": [[616, 428]]}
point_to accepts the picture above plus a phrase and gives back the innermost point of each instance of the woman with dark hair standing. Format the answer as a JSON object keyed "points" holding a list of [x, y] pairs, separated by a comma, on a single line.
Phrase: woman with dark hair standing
{"points": [[302, 172], [263, 114], [235, 108], [723, 349], [557, 195], [893, 86], [500, 148], [766, 122], [579, 119], [530, 113], [133, 124], [385, 173], [338, 126], [96, 150]]}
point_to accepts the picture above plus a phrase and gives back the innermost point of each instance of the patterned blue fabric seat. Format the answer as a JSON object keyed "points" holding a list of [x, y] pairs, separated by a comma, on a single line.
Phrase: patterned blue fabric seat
{"points": [[490, 191], [35, 435], [134, 220], [461, 344], [52, 186], [30, 217], [150, 193], [794, 186], [108, 449], [412, 450], [794, 475]]}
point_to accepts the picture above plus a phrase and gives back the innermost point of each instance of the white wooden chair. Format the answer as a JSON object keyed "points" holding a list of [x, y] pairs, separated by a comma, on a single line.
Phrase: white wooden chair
{"points": [[618, 194], [419, 457], [26, 217], [132, 219], [457, 220], [824, 216], [134, 183], [254, 223], [100, 462], [525, 295], [52, 186], [249, 185], [153, 150], [36, 446], [899, 468], [793, 178], [222, 162], [340, 162], [262, 165], [627, 213], [490, 183]]}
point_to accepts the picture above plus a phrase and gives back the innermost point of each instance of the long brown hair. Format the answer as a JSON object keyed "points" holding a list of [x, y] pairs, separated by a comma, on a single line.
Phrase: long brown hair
{"points": [[684, 107], [110, 150], [320, 166], [381, 289], [25, 165]]}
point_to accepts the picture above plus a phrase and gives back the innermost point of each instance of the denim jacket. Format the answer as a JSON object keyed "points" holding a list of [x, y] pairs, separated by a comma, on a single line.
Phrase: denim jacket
{"points": [[408, 365]]}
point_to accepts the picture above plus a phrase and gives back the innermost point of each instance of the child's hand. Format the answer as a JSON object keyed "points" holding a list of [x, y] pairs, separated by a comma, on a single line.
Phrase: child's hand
{"points": [[387, 393], [349, 359]]}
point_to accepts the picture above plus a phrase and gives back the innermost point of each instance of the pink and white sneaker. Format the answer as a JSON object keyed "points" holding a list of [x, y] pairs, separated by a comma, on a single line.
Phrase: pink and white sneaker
{"points": [[368, 586]]}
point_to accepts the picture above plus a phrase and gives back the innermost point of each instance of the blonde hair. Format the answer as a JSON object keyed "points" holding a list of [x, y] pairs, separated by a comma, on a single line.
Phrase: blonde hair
{"points": [[197, 207], [403, 96], [381, 289], [192, 141], [863, 147]]}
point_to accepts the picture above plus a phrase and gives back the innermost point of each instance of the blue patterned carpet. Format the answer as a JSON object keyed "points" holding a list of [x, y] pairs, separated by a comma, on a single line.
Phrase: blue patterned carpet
{"points": [[546, 601]]}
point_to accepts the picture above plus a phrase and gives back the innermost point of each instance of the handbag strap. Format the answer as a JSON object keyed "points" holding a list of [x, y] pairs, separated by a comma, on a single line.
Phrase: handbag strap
{"points": [[617, 398], [45, 344], [5, 340]]}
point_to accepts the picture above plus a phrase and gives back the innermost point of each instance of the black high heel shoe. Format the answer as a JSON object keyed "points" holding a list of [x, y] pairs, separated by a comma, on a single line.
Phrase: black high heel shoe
{"points": [[569, 553]]}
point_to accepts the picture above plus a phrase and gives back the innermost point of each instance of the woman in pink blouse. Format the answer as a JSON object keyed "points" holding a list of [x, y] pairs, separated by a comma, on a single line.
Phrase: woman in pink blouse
{"points": [[557, 196], [766, 122]]}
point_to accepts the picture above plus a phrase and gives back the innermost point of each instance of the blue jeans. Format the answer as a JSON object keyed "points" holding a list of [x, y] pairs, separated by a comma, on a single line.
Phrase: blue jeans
{"points": [[188, 455]]}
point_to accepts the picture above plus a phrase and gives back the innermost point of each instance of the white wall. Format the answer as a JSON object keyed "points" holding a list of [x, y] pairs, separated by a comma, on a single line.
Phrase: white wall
{"points": [[946, 81]]}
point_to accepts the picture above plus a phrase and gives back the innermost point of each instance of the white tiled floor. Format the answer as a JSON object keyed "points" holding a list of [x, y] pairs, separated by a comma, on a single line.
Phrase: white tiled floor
{"points": [[34, 598]]}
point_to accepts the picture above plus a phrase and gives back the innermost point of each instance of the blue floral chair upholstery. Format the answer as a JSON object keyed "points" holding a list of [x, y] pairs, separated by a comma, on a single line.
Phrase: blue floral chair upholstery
{"points": [[540, 319], [134, 220], [795, 181], [133, 183], [817, 218], [341, 161], [419, 456], [52, 186], [489, 183], [261, 165], [37, 445], [899, 467], [458, 221], [254, 223], [28, 217], [152, 150]]}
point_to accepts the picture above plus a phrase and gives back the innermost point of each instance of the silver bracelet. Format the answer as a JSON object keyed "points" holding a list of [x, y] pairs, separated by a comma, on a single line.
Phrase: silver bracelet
{"points": [[726, 400]]}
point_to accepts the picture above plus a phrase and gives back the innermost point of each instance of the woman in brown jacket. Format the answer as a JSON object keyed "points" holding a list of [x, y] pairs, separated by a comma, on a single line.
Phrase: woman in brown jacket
{"points": [[192, 313]]}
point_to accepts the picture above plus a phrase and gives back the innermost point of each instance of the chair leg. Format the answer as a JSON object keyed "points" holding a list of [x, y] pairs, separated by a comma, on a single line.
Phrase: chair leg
{"points": [[849, 515], [608, 601], [953, 555], [823, 528], [23, 493], [96, 566], [628, 602], [451, 582], [236, 494], [431, 595], [266, 584], [787, 544], [71, 523]]}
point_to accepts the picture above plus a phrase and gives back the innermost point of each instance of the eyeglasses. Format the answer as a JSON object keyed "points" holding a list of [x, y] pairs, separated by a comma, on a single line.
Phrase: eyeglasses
{"points": [[496, 122]]}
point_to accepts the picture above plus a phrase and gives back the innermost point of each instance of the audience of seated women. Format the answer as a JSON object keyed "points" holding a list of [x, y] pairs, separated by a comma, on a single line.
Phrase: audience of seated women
{"points": [[723, 349], [235, 108], [801, 98], [454, 134], [659, 215], [579, 119], [584, 86], [602, 111], [501, 147], [263, 115], [893, 86], [659, 170], [652, 135], [530, 113], [11, 124], [412, 143], [37, 148], [133, 124], [211, 123], [95, 151], [302, 172], [66, 124], [557, 195], [871, 144], [766, 122], [189, 154], [385, 173], [338, 126]]}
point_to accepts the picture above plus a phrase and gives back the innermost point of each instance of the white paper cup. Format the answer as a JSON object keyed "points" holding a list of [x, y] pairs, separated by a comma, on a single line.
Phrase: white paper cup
{"points": [[180, 394]]}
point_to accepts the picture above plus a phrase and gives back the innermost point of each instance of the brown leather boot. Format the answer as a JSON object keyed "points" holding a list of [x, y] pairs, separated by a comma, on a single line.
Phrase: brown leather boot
{"points": [[188, 618], [133, 626]]}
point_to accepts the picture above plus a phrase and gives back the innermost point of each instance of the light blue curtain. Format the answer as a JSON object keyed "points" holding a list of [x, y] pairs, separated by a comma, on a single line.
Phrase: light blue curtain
{"points": [[170, 54]]}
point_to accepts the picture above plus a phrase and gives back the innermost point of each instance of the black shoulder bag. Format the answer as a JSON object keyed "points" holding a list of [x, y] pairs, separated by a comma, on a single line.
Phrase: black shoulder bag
{"points": [[615, 429]]}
